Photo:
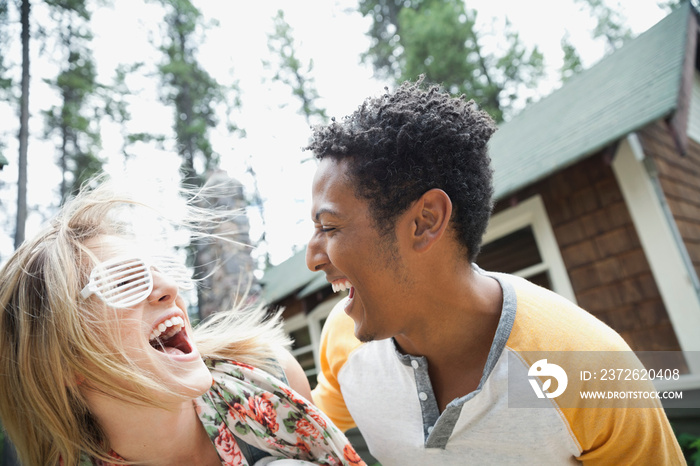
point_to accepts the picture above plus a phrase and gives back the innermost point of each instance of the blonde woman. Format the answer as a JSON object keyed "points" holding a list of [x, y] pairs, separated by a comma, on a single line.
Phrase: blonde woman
{"points": [[100, 364]]}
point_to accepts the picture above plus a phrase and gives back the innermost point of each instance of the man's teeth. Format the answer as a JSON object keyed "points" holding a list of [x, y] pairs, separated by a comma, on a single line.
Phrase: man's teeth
{"points": [[167, 328], [341, 286]]}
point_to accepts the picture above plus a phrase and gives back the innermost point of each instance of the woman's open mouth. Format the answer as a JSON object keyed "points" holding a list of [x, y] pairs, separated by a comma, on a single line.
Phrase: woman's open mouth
{"points": [[170, 337]]}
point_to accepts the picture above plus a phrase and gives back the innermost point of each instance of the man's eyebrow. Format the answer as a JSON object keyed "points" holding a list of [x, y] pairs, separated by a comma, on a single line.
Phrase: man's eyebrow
{"points": [[323, 211]]}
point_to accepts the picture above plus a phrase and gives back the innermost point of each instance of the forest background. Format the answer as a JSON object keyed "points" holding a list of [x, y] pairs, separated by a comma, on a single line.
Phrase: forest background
{"points": [[171, 90]]}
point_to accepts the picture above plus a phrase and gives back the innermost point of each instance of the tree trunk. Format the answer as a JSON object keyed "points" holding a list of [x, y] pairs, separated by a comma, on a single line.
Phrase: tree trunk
{"points": [[23, 131]]}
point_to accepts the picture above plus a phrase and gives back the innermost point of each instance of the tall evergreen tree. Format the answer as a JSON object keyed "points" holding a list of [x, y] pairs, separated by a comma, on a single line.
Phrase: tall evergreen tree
{"points": [[669, 5], [75, 120], [439, 38], [610, 27], [6, 87], [8, 94], [117, 98], [5, 66], [5, 80], [192, 91], [291, 71], [23, 129], [195, 96], [609, 23], [572, 60]]}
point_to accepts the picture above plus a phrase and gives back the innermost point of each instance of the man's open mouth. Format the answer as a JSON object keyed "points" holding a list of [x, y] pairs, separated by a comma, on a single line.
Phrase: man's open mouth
{"points": [[342, 285]]}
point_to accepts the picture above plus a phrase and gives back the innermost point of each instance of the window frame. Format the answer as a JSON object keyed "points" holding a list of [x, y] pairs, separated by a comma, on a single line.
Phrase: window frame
{"points": [[533, 213], [312, 320]]}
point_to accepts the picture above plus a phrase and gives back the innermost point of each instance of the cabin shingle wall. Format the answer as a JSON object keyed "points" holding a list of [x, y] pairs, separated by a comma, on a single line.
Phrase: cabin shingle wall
{"points": [[679, 177], [609, 272]]}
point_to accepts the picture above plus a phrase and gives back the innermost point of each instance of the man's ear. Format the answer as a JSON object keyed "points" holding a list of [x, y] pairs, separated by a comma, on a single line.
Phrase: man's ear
{"points": [[431, 214]]}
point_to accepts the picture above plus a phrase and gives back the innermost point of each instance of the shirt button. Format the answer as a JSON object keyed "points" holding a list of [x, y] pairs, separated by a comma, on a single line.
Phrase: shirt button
{"points": [[415, 364], [422, 396]]}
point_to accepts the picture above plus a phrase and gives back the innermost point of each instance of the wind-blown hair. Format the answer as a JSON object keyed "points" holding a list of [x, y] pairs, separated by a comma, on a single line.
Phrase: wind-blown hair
{"points": [[402, 144], [51, 340]]}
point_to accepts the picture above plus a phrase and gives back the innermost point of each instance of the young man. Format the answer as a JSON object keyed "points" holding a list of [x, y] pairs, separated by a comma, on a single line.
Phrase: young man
{"points": [[417, 355]]}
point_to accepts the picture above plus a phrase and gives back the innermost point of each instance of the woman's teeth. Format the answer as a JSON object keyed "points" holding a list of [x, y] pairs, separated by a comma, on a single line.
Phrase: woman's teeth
{"points": [[167, 328], [341, 285]]}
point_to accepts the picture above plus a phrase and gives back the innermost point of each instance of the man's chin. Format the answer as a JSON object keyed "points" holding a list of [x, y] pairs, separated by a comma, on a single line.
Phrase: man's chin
{"points": [[363, 335], [356, 311]]}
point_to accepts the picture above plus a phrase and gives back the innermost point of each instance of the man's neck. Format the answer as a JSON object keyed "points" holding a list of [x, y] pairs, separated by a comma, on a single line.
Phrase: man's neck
{"points": [[456, 334]]}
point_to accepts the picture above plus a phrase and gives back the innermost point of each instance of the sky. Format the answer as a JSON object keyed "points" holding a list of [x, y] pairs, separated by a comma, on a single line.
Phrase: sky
{"points": [[329, 32]]}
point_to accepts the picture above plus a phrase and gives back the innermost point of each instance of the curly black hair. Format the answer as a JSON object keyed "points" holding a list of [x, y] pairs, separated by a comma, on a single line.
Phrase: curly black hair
{"points": [[403, 144]]}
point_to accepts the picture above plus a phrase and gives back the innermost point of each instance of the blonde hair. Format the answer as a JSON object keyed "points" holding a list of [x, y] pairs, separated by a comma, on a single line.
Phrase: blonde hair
{"points": [[50, 338]]}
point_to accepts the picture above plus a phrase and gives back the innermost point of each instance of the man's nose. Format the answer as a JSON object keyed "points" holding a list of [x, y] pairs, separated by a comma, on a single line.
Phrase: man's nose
{"points": [[316, 257]]}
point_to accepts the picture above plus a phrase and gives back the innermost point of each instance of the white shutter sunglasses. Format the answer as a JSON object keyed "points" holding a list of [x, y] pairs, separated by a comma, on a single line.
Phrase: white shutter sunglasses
{"points": [[124, 282]]}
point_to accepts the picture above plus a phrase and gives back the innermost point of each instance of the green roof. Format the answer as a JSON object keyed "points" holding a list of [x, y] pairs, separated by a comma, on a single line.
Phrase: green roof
{"points": [[318, 283], [628, 89], [625, 91], [3, 161], [288, 277]]}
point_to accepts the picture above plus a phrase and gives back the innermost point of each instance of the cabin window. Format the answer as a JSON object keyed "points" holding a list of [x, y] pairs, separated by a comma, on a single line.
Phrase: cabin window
{"points": [[516, 253], [520, 241], [305, 331]]}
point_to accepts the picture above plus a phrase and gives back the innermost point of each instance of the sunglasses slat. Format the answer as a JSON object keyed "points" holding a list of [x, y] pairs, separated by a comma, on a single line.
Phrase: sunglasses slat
{"points": [[131, 288], [125, 282], [122, 279], [176, 270]]}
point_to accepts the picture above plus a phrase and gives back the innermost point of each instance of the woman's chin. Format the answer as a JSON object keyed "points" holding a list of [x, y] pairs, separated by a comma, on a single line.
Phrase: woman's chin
{"points": [[190, 379]]}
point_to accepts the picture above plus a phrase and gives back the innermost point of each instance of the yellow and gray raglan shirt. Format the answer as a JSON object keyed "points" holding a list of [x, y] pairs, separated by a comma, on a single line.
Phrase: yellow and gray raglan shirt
{"points": [[388, 395]]}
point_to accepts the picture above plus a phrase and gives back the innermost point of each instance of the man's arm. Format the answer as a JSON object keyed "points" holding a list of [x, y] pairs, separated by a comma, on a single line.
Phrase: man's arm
{"points": [[629, 436], [627, 430]]}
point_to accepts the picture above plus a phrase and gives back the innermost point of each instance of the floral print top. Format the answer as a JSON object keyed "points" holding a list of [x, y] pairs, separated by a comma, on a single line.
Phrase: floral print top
{"points": [[249, 404], [265, 413]]}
